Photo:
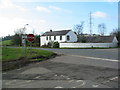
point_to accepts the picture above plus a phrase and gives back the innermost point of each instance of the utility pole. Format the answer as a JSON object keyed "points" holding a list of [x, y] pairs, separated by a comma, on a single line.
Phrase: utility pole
{"points": [[90, 24]]}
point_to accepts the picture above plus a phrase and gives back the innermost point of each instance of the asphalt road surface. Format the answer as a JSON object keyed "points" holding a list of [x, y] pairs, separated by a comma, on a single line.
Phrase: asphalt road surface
{"points": [[77, 68], [100, 53]]}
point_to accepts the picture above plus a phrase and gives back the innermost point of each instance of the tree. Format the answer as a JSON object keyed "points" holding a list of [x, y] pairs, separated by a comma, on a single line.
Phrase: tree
{"points": [[16, 40], [20, 31], [116, 32], [7, 38], [79, 29], [36, 42], [102, 28]]}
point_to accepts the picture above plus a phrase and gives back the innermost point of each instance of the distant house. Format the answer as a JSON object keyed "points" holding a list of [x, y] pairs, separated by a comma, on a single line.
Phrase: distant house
{"points": [[100, 39], [58, 36], [93, 41]]}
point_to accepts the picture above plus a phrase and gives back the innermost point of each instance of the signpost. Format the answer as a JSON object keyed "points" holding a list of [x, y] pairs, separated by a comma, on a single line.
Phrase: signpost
{"points": [[30, 38], [24, 44], [24, 40]]}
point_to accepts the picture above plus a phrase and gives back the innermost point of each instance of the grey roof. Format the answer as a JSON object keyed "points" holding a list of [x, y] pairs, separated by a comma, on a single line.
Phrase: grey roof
{"points": [[98, 39], [55, 33]]}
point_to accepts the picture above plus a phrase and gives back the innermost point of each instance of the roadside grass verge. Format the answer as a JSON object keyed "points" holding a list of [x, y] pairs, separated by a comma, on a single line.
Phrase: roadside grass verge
{"points": [[9, 54], [13, 58]]}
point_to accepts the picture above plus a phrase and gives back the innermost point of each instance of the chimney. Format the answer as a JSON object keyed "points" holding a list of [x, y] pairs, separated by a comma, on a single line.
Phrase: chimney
{"points": [[50, 30]]}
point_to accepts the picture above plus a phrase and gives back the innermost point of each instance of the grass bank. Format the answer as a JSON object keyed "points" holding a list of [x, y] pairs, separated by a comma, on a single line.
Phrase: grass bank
{"points": [[5, 43], [13, 58]]}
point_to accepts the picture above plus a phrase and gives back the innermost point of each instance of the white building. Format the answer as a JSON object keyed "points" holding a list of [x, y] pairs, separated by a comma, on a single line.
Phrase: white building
{"points": [[58, 36]]}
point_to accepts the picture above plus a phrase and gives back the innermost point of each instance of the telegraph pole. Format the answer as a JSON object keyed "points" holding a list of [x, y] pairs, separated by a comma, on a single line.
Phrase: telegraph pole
{"points": [[90, 24]]}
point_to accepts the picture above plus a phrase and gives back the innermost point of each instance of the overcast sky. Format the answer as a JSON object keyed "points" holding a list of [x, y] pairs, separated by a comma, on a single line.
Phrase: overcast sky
{"points": [[43, 16]]}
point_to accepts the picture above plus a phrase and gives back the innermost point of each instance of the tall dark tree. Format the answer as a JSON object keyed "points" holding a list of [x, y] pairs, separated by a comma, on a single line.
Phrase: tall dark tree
{"points": [[36, 42], [102, 29], [7, 38], [16, 40]]}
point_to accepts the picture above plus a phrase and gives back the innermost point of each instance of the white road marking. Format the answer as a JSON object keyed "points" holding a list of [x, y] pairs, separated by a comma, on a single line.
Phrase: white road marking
{"points": [[58, 87], [79, 81], [63, 76], [110, 79], [37, 77], [68, 78], [113, 60], [105, 81], [95, 85], [83, 83], [55, 75], [114, 78], [73, 87], [28, 81]]}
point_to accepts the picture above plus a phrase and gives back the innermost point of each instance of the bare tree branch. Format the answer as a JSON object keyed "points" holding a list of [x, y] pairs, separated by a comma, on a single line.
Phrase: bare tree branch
{"points": [[102, 29]]}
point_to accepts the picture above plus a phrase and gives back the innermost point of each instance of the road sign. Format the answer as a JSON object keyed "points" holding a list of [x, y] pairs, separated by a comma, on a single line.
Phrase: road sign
{"points": [[30, 37]]}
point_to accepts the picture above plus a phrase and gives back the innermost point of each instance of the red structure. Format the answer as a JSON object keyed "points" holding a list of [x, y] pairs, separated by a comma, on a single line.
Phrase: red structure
{"points": [[30, 37]]}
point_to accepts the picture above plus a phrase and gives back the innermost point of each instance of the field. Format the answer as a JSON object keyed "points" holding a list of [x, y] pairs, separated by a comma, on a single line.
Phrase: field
{"points": [[5, 43], [9, 54], [13, 58]]}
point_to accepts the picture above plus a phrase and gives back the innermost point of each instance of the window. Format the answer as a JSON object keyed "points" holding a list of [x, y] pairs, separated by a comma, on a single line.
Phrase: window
{"points": [[68, 37], [54, 37], [49, 37], [60, 37], [46, 37]]}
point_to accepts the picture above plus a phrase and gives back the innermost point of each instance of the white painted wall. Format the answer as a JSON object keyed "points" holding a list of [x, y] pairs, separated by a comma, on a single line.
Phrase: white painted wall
{"points": [[115, 40], [84, 45], [73, 38], [43, 40]]}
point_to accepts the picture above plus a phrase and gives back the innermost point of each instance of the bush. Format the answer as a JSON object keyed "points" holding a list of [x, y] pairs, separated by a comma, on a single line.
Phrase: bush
{"points": [[16, 40], [55, 45], [83, 40], [44, 46], [51, 45]]}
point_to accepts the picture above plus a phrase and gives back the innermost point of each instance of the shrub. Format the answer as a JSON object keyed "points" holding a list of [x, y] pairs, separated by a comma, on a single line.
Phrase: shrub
{"points": [[50, 44], [44, 45], [55, 45], [83, 41]]}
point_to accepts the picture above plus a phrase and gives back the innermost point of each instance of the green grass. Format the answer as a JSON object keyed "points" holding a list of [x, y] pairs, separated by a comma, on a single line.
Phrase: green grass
{"points": [[6, 43], [16, 53], [11, 53]]}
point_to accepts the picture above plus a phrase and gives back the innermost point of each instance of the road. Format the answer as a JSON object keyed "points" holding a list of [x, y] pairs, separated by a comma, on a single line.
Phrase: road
{"points": [[100, 53], [77, 68]]}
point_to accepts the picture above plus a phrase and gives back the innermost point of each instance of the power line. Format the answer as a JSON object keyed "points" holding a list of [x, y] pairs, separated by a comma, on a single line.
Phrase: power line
{"points": [[90, 24]]}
